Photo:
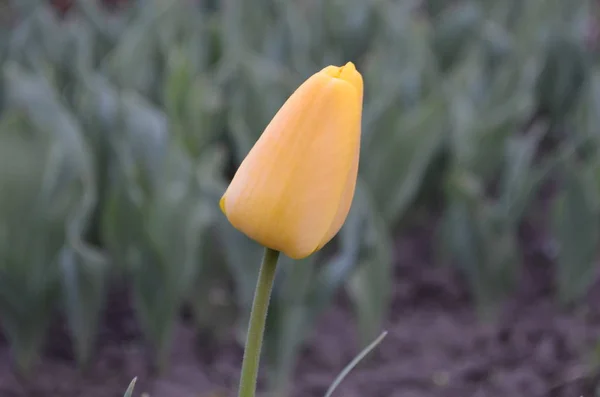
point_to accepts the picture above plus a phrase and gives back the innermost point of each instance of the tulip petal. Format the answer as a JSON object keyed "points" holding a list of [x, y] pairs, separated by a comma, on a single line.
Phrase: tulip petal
{"points": [[293, 191], [345, 203], [348, 73]]}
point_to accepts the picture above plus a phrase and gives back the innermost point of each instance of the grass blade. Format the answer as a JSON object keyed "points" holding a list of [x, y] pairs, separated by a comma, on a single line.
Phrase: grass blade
{"points": [[354, 363], [129, 391]]}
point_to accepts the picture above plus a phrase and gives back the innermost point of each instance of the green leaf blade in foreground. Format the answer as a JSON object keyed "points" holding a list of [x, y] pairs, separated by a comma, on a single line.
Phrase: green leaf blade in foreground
{"points": [[129, 391], [354, 363]]}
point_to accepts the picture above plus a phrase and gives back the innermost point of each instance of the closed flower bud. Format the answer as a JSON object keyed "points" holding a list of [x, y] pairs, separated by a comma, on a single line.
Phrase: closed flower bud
{"points": [[293, 191]]}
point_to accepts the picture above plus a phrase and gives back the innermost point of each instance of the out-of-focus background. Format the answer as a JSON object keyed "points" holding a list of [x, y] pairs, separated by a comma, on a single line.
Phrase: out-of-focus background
{"points": [[473, 238]]}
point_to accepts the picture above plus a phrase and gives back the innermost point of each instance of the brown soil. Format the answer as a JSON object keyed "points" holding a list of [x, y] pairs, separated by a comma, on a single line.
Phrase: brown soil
{"points": [[436, 346]]}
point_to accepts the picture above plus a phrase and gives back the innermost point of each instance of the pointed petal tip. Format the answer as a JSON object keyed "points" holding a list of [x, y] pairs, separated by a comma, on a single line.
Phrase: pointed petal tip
{"points": [[347, 73], [350, 65], [340, 71], [222, 205]]}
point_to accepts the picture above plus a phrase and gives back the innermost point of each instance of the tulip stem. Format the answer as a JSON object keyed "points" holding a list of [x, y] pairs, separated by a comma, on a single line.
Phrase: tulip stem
{"points": [[256, 329]]}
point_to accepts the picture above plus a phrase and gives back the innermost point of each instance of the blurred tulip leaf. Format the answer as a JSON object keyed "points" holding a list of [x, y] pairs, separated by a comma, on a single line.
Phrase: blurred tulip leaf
{"points": [[399, 155], [371, 285], [575, 213]]}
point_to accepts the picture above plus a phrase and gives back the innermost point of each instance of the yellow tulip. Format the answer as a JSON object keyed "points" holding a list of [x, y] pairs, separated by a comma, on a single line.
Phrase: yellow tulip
{"points": [[293, 191]]}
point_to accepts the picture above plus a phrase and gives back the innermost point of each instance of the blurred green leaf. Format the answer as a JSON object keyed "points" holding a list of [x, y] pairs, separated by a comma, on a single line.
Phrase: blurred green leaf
{"points": [[215, 310], [480, 240], [371, 285], [456, 26], [242, 257], [194, 103], [30, 240], [575, 225], [564, 73], [83, 284], [519, 182], [398, 155], [133, 62], [170, 225], [56, 191]]}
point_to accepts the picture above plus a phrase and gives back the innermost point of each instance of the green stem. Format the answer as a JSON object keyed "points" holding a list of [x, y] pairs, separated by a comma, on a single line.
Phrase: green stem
{"points": [[256, 329]]}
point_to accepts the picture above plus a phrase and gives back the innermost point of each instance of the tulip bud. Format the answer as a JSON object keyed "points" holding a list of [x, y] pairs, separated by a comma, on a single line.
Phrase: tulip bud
{"points": [[293, 191]]}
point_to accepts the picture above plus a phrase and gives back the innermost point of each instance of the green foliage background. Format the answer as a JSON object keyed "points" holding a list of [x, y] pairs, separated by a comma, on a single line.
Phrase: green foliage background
{"points": [[119, 130]]}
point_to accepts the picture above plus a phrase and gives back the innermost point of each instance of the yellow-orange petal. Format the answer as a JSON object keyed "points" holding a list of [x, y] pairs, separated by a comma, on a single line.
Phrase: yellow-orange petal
{"points": [[293, 191], [348, 73], [345, 202], [222, 204]]}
